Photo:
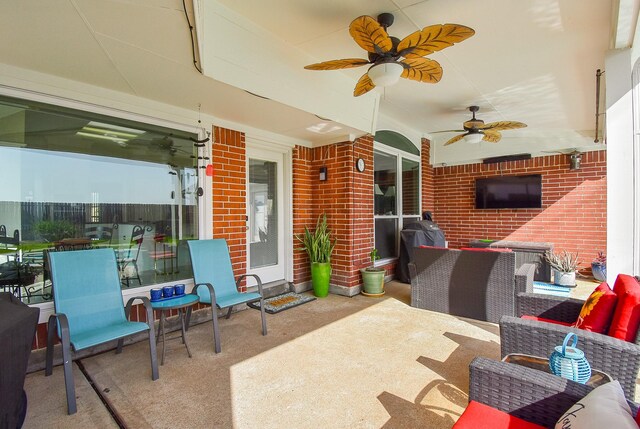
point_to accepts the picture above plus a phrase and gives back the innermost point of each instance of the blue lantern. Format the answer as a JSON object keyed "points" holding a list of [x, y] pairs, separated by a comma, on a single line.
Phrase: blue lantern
{"points": [[569, 362]]}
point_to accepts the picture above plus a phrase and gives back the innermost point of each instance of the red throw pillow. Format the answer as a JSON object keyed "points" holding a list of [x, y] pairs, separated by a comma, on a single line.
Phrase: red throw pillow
{"points": [[422, 246], [487, 249], [626, 318], [598, 310], [481, 416]]}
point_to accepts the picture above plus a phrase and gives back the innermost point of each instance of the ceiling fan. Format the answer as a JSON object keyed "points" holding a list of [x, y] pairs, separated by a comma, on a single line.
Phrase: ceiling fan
{"points": [[476, 130], [392, 58]]}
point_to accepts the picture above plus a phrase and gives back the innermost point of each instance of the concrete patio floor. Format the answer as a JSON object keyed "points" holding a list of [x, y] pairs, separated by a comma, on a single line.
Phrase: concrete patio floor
{"points": [[336, 362]]}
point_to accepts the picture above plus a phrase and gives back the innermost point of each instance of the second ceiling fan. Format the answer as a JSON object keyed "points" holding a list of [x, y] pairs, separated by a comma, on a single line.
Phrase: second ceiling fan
{"points": [[476, 130]]}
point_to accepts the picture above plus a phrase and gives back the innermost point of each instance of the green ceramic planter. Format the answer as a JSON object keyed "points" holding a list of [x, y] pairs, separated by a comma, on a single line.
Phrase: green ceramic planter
{"points": [[373, 281], [320, 277]]}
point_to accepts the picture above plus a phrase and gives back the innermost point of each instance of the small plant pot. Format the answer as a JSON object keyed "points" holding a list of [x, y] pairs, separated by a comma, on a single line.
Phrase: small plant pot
{"points": [[599, 271], [564, 279], [373, 281]]}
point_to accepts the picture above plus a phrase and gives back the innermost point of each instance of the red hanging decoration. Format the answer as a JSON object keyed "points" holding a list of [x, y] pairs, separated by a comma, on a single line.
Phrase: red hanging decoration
{"points": [[209, 170]]}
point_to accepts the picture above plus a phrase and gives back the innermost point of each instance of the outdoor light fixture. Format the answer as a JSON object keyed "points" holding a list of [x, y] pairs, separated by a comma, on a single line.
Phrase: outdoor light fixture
{"points": [[473, 138], [574, 161], [323, 174], [385, 74]]}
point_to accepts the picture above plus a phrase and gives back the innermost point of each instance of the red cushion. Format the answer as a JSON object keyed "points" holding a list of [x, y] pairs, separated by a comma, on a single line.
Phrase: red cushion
{"points": [[598, 309], [638, 419], [422, 246], [626, 317], [481, 416], [487, 249], [542, 319]]}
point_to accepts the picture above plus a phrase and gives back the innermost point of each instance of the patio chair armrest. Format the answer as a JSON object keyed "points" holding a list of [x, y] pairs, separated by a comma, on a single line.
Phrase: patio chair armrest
{"points": [[147, 307], [61, 320], [255, 276], [524, 278], [209, 286], [618, 358], [529, 394], [551, 307]]}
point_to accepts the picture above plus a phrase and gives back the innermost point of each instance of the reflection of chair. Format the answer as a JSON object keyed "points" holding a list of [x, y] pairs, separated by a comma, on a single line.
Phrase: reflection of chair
{"points": [[166, 252], [98, 232], [9, 244], [89, 309], [214, 282], [129, 257]]}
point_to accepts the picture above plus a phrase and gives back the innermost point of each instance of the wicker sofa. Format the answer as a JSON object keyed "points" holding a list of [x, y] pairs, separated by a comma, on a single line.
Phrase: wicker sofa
{"points": [[480, 285], [526, 393], [618, 358]]}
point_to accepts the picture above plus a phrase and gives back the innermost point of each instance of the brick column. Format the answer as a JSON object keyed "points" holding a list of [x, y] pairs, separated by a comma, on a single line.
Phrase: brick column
{"points": [[428, 185]]}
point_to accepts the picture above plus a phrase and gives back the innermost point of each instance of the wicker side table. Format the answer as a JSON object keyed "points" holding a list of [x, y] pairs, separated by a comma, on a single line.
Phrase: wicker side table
{"points": [[542, 364]]}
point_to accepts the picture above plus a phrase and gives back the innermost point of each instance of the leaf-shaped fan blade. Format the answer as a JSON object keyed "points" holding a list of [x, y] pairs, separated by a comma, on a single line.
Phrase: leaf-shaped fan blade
{"points": [[363, 86], [491, 136], [370, 35], [421, 69], [455, 139], [503, 125], [338, 64], [447, 131], [433, 38]]}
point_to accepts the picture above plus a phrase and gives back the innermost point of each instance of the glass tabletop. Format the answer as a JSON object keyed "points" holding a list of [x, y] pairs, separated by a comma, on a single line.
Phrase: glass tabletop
{"points": [[171, 303]]}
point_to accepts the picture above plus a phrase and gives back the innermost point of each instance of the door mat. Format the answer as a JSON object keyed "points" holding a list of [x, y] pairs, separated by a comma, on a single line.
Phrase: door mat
{"points": [[282, 302]]}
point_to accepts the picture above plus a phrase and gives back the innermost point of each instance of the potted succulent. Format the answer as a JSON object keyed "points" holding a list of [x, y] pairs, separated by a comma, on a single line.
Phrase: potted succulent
{"points": [[319, 247], [564, 266], [599, 267], [372, 277]]}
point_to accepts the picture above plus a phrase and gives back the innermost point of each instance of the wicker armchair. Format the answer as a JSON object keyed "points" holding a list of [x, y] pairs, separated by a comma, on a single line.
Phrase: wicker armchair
{"points": [[478, 285], [526, 393], [620, 359]]}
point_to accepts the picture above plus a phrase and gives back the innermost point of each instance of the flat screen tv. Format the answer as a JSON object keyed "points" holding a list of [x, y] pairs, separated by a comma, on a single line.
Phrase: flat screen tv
{"points": [[509, 192]]}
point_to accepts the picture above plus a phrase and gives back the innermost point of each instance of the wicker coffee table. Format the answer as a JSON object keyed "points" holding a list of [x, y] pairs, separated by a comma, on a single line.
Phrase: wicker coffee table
{"points": [[542, 364]]}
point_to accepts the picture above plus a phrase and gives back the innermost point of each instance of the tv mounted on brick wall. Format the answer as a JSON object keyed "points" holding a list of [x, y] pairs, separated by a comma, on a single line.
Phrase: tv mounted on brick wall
{"points": [[509, 192]]}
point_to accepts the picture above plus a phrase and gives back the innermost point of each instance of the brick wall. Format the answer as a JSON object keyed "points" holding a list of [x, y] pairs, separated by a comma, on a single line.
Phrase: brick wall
{"points": [[572, 217], [347, 199], [229, 194], [428, 184]]}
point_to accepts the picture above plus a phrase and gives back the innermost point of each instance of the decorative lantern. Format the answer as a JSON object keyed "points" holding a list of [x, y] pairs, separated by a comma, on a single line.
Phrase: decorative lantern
{"points": [[569, 362]]}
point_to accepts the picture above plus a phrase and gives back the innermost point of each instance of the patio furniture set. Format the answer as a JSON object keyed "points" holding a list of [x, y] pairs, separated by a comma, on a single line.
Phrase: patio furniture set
{"points": [[516, 393], [89, 308]]}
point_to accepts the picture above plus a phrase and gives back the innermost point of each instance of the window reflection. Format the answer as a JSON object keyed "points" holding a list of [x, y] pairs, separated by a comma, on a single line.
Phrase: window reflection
{"points": [[76, 180]]}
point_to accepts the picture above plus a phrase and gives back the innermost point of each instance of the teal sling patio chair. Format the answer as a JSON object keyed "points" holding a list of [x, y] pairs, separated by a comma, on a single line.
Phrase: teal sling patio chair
{"points": [[89, 310], [214, 282]]}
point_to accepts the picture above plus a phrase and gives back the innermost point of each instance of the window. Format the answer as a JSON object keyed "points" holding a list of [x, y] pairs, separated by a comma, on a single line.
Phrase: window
{"points": [[396, 196], [74, 180]]}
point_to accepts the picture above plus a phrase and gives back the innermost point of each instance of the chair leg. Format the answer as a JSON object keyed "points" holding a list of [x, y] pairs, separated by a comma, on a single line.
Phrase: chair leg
{"points": [[229, 312], [188, 318], [67, 362], [263, 317], [48, 370], [216, 331], [153, 353]]}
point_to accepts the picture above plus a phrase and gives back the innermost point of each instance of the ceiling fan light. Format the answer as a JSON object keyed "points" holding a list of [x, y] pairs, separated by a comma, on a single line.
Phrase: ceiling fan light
{"points": [[473, 138], [385, 74]]}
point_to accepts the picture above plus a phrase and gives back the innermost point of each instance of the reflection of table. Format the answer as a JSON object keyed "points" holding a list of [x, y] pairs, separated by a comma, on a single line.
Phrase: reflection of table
{"points": [[72, 244], [170, 304], [542, 364]]}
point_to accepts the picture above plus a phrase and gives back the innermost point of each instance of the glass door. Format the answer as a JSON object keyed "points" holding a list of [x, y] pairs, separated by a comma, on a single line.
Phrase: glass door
{"points": [[265, 238]]}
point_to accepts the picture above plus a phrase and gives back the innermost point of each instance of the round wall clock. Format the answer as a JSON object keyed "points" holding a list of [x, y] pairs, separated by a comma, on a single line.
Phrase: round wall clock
{"points": [[360, 165]]}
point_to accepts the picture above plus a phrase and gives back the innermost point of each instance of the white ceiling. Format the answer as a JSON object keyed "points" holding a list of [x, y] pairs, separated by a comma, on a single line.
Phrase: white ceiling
{"points": [[532, 61]]}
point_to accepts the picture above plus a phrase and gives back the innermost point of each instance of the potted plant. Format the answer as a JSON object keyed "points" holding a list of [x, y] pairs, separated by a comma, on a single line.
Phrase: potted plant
{"points": [[319, 247], [599, 267], [564, 266], [372, 277]]}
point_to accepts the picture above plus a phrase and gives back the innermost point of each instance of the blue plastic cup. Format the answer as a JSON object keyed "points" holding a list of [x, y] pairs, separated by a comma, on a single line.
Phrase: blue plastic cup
{"points": [[156, 294], [178, 289], [167, 291]]}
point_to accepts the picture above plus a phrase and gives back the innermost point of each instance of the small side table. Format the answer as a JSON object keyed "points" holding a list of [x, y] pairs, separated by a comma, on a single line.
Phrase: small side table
{"points": [[542, 364], [169, 304]]}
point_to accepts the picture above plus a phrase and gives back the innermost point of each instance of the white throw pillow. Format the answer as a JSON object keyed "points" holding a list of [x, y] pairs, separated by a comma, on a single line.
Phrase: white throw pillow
{"points": [[603, 407]]}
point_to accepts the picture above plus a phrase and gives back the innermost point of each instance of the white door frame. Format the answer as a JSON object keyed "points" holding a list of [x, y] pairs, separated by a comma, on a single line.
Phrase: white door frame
{"points": [[256, 148]]}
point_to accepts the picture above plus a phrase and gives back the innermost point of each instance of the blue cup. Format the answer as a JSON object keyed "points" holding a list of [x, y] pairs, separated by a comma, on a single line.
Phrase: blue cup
{"points": [[167, 291], [156, 294], [178, 289]]}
